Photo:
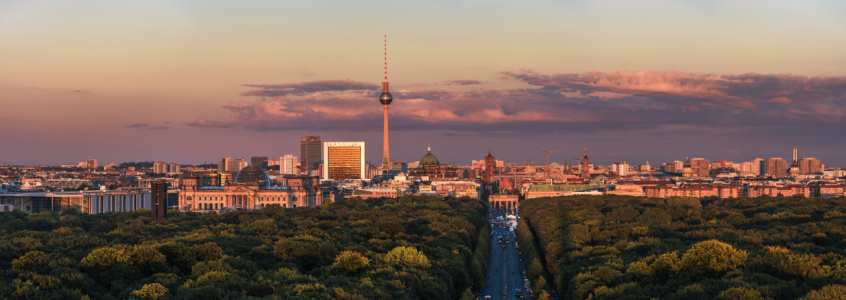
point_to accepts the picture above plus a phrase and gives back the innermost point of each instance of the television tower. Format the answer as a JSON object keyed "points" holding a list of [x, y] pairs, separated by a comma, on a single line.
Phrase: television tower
{"points": [[386, 99]]}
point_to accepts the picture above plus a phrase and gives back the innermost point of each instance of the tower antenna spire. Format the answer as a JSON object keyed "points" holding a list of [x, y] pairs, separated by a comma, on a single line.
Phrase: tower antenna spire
{"points": [[386, 99], [385, 83]]}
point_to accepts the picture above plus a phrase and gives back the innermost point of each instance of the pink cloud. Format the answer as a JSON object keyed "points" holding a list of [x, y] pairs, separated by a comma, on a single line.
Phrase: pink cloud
{"points": [[463, 82], [557, 103]]}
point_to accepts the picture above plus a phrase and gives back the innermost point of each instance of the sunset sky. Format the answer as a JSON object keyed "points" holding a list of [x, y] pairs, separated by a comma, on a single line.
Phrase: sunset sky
{"points": [[194, 81]]}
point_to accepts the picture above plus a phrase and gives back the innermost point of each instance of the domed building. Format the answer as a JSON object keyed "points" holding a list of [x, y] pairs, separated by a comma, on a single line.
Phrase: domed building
{"points": [[253, 175], [429, 159], [252, 189], [431, 167]]}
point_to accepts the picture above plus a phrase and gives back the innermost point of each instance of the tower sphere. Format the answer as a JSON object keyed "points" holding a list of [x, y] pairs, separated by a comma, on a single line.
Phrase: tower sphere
{"points": [[386, 98]]}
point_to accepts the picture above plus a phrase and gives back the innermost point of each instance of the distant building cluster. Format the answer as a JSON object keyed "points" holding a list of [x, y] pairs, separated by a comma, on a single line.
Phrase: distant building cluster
{"points": [[328, 171]]}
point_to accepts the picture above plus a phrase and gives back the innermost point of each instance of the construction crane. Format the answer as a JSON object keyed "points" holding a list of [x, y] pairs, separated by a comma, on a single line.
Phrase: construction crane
{"points": [[547, 157]]}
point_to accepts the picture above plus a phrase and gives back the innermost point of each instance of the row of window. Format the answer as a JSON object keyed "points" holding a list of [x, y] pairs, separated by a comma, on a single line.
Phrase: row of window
{"points": [[260, 199]]}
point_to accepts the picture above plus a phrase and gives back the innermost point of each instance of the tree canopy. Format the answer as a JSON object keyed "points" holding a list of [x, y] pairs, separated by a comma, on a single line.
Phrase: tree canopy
{"points": [[618, 247], [405, 248]]}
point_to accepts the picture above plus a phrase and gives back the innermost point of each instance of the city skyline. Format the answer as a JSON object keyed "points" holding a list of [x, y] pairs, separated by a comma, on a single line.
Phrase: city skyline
{"points": [[720, 84]]}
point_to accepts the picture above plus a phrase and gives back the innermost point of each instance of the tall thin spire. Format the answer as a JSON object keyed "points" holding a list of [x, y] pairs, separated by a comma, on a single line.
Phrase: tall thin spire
{"points": [[386, 99], [385, 83]]}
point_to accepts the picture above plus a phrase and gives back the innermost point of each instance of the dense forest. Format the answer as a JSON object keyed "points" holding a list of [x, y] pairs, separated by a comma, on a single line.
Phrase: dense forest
{"points": [[405, 248], [617, 247]]}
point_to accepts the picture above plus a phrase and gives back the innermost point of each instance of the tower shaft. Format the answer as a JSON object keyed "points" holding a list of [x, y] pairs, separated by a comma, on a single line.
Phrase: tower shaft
{"points": [[387, 141]]}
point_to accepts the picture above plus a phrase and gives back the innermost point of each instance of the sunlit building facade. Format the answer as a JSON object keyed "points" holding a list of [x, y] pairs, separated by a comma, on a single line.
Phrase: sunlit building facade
{"points": [[343, 160]]}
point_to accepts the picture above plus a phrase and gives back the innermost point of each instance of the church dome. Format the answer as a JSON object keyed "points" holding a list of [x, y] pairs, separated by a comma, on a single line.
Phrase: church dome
{"points": [[253, 175], [429, 159]]}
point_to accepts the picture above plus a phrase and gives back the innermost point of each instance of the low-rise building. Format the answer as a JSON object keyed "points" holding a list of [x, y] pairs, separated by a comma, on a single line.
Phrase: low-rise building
{"points": [[376, 192], [540, 191], [721, 191]]}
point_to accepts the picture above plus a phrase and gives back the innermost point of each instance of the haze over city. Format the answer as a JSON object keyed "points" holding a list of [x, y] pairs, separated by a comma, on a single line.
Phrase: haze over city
{"points": [[633, 81]]}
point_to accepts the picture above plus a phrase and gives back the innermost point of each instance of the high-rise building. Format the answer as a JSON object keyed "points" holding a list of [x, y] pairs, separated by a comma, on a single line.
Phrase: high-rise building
{"points": [[173, 168], [344, 160], [758, 166], [289, 164], [386, 99], [776, 167], [490, 165], [687, 170], [158, 191], [159, 167], [231, 165], [311, 153], [699, 167], [809, 165], [223, 164], [259, 161], [621, 169], [585, 168]]}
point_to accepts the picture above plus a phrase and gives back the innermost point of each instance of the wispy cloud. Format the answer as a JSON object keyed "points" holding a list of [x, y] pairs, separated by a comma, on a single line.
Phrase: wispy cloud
{"points": [[463, 82], [562, 103], [298, 89], [146, 126]]}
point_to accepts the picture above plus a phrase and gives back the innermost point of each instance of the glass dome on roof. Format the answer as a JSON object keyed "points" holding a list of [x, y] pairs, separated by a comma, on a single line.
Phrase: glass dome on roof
{"points": [[252, 175]]}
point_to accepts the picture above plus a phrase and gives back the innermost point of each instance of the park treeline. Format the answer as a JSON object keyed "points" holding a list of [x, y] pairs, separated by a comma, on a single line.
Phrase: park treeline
{"points": [[405, 248], [618, 247]]}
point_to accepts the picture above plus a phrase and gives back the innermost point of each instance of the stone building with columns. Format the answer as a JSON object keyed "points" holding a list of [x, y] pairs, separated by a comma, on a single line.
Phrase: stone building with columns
{"points": [[500, 202], [251, 190]]}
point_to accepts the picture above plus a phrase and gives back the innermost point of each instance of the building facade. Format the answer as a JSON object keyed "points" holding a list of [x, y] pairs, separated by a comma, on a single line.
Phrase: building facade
{"points": [[776, 167], [809, 165], [700, 167], [91, 202], [311, 153], [253, 192], [694, 190], [344, 160], [430, 167], [259, 161], [490, 165], [289, 164]]}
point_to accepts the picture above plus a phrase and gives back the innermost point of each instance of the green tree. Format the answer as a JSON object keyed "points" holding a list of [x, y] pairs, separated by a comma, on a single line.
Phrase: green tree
{"points": [[407, 257], [179, 255], [468, 295], [26, 261], [350, 262], [712, 258], [102, 259], [828, 292], [148, 260], [739, 293], [209, 251], [153, 291]]}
